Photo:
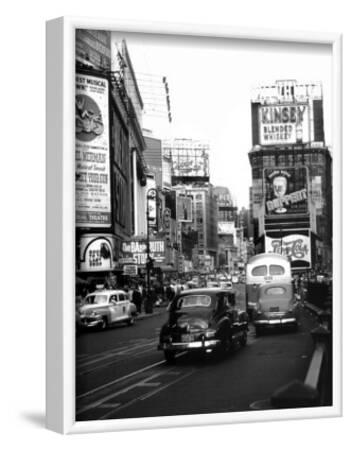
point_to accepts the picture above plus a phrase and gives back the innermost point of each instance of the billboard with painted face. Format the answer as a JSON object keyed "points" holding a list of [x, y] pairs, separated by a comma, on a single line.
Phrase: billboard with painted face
{"points": [[286, 191]]}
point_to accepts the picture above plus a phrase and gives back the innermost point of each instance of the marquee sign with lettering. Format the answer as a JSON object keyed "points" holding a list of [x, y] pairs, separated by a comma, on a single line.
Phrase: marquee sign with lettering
{"points": [[286, 191], [296, 247], [137, 250], [97, 253]]}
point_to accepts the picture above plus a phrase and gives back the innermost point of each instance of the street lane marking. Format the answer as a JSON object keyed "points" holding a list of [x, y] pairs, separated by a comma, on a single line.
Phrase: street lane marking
{"points": [[150, 394], [115, 352], [97, 403], [144, 384], [125, 377], [110, 405], [144, 396]]}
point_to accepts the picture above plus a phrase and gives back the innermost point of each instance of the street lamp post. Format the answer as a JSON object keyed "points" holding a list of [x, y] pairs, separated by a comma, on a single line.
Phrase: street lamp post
{"points": [[150, 195]]}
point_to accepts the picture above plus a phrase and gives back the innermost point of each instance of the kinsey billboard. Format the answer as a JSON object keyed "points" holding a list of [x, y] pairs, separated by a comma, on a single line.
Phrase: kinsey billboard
{"points": [[296, 247], [286, 191], [93, 200], [97, 253], [137, 251], [284, 124]]}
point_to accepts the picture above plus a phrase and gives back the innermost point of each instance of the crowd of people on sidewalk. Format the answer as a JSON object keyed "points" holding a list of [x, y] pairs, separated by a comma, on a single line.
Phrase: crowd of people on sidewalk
{"points": [[158, 294]]}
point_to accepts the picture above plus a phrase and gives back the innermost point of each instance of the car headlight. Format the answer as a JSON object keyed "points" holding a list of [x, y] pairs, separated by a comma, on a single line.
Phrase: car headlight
{"points": [[210, 334]]}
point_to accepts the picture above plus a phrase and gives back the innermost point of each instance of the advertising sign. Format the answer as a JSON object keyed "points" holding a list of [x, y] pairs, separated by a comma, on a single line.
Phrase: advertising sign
{"points": [[296, 247], [151, 201], [316, 191], [184, 209], [226, 228], [137, 250], [93, 199], [190, 163], [131, 270], [97, 253], [166, 173], [284, 124], [286, 191]]}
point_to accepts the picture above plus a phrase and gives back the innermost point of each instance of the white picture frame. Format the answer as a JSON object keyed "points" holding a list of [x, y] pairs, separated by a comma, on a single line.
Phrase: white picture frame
{"points": [[60, 213]]}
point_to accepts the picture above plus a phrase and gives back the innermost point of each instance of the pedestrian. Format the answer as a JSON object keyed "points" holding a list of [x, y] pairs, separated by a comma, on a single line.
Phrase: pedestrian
{"points": [[170, 294], [137, 299]]}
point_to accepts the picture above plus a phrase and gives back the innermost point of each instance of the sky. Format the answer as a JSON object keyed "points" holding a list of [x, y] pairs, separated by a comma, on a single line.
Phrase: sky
{"points": [[210, 82]]}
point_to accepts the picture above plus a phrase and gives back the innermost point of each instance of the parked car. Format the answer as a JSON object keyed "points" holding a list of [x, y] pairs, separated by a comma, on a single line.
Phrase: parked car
{"points": [[276, 307], [103, 308], [202, 320]]}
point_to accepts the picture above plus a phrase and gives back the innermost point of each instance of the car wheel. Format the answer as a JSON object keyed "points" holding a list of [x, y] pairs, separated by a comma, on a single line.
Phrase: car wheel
{"points": [[104, 324], [169, 356], [258, 331], [130, 321]]}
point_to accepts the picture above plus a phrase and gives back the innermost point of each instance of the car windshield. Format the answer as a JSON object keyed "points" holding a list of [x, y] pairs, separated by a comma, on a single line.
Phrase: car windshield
{"points": [[97, 299], [259, 271], [274, 269], [194, 301]]}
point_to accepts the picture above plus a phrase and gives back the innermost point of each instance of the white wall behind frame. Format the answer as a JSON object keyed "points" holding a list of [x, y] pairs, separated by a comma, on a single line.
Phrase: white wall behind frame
{"points": [[23, 214]]}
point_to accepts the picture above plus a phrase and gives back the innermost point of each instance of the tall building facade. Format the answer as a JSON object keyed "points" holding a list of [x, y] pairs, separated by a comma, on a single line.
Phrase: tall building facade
{"points": [[110, 167], [227, 257], [291, 193], [191, 181]]}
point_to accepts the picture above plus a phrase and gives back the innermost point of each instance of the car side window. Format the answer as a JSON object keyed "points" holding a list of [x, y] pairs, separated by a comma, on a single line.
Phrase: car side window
{"points": [[121, 297], [113, 299]]}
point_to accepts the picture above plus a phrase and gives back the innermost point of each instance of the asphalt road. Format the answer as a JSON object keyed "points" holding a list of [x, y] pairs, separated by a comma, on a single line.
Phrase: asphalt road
{"points": [[120, 373]]}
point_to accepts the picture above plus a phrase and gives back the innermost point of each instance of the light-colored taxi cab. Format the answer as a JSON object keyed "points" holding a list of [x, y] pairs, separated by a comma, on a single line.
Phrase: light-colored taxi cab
{"points": [[103, 308]]}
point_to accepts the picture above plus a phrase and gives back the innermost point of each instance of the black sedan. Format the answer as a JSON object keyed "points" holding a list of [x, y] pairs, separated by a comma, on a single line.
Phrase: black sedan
{"points": [[203, 320]]}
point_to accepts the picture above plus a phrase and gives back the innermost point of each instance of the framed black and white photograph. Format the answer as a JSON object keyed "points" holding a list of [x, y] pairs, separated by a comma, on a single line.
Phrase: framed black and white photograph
{"points": [[193, 225]]}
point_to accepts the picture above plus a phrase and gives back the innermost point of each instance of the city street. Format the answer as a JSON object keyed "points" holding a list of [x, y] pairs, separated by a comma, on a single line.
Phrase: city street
{"points": [[120, 373]]}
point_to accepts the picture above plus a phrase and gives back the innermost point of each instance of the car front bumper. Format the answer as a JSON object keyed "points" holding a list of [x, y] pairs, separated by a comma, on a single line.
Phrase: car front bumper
{"points": [[194, 345], [90, 322]]}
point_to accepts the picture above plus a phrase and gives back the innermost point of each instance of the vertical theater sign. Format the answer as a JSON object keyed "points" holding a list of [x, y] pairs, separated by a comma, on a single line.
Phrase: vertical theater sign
{"points": [[93, 202]]}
